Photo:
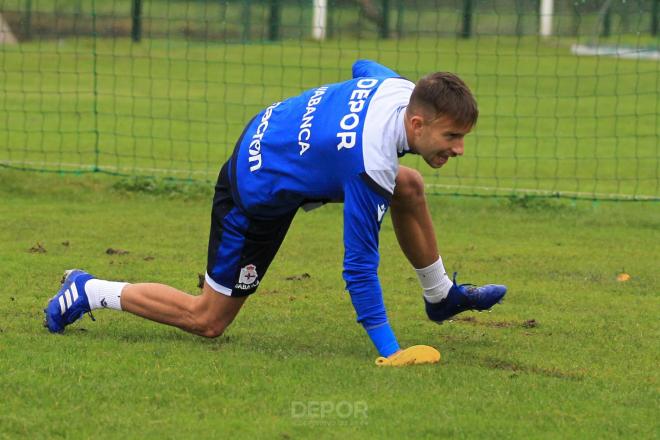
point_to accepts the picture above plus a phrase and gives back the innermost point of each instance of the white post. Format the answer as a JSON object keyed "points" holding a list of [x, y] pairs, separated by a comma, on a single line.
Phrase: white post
{"points": [[6, 35], [319, 19], [547, 11]]}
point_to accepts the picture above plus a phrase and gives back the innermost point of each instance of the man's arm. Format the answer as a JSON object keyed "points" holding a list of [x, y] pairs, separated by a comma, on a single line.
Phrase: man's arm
{"points": [[364, 209], [368, 68]]}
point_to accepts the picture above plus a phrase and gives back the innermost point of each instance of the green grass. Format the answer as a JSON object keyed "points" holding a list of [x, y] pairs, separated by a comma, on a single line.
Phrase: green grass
{"points": [[587, 369], [550, 121], [249, 20]]}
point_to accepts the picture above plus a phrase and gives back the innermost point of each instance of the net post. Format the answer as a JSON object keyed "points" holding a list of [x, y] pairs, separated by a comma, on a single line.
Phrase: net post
{"points": [[467, 19], [246, 18], [27, 20], [136, 15], [274, 20], [331, 19], [547, 12], [607, 22], [519, 17], [319, 19], [97, 134], [385, 23], [575, 19], [399, 18]]}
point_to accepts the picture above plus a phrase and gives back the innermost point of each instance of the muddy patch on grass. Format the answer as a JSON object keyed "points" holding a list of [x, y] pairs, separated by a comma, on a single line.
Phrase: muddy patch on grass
{"points": [[38, 248], [518, 368], [113, 251], [529, 323], [303, 276], [268, 292]]}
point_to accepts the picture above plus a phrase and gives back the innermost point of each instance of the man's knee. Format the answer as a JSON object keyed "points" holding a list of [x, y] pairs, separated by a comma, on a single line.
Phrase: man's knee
{"points": [[211, 327], [211, 313], [409, 186], [208, 325], [213, 332]]}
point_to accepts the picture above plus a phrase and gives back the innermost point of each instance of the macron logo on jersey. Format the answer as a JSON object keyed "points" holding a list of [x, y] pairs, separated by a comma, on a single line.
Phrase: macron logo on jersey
{"points": [[381, 212], [255, 146]]}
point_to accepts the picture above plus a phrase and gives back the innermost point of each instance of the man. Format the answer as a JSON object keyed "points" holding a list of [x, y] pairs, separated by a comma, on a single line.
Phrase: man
{"points": [[336, 143]]}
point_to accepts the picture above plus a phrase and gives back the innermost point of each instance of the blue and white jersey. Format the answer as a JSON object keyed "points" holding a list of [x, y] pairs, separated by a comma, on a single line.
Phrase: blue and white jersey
{"points": [[337, 142]]}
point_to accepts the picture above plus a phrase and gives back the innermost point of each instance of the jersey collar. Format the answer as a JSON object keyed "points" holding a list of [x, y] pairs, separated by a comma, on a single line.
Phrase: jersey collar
{"points": [[400, 137]]}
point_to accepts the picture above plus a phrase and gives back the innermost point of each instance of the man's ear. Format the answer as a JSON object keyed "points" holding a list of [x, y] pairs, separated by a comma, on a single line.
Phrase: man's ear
{"points": [[416, 121]]}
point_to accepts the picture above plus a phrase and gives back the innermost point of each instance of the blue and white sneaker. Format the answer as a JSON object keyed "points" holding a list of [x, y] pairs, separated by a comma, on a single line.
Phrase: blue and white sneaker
{"points": [[465, 297], [70, 302]]}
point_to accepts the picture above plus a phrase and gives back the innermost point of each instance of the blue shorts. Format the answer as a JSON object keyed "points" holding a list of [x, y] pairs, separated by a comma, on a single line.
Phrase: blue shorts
{"points": [[240, 247]]}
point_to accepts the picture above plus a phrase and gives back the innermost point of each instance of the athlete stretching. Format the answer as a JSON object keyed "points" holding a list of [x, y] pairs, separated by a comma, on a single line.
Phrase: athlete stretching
{"points": [[336, 143]]}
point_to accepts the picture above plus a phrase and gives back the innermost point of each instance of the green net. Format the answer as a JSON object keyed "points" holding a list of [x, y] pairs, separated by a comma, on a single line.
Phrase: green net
{"points": [[164, 88]]}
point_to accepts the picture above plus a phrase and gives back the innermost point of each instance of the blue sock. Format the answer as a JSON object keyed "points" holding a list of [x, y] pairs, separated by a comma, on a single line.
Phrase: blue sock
{"points": [[383, 338]]}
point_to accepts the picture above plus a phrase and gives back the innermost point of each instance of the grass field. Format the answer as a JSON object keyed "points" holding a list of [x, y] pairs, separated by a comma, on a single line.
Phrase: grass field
{"points": [[249, 20], [550, 121], [572, 353]]}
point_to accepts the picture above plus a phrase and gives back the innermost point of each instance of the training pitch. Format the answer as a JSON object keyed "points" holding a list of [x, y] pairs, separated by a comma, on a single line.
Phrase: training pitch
{"points": [[572, 352]]}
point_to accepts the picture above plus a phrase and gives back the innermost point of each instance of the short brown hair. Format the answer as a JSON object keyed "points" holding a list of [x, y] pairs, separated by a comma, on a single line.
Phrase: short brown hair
{"points": [[445, 94]]}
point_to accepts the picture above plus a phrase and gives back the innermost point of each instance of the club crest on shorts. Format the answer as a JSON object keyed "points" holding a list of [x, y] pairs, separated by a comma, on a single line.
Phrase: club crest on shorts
{"points": [[248, 277]]}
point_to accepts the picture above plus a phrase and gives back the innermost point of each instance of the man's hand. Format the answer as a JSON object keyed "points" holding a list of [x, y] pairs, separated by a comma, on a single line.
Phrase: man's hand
{"points": [[415, 355]]}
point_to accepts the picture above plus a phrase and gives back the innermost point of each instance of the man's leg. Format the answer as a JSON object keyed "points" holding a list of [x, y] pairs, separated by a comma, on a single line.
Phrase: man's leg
{"points": [[414, 231], [208, 314], [412, 220]]}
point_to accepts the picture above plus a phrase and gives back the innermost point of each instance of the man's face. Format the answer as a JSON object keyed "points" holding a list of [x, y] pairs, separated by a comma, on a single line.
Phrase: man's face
{"points": [[438, 140]]}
